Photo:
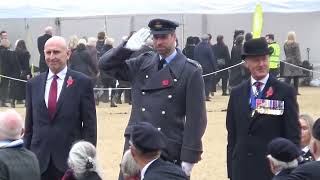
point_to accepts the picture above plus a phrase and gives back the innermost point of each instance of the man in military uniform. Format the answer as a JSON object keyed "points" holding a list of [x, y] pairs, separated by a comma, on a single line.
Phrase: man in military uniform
{"points": [[274, 61], [259, 110], [146, 145], [167, 91]]}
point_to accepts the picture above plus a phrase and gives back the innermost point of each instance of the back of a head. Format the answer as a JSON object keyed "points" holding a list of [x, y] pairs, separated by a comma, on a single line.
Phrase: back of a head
{"points": [[21, 45], [248, 36], [220, 39], [129, 167], [48, 30], [92, 41], [11, 126], [205, 37], [270, 36], [109, 41], [239, 40], [82, 158], [291, 36]]}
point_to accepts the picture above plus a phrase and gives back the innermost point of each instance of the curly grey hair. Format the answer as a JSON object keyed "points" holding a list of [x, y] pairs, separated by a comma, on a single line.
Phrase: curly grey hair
{"points": [[82, 158], [129, 167]]}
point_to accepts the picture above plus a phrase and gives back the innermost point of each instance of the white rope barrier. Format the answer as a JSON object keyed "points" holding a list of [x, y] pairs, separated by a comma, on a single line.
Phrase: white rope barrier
{"points": [[215, 72]]}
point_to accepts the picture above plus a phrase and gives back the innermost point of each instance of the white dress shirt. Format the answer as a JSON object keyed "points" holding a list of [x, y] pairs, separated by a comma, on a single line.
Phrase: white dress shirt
{"points": [[61, 75], [144, 169], [264, 81]]}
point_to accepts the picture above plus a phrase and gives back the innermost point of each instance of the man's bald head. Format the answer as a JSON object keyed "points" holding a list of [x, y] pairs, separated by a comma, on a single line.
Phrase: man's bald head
{"points": [[11, 126], [56, 53]]}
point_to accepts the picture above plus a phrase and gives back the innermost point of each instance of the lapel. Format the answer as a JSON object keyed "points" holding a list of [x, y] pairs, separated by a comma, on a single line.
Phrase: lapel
{"points": [[43, 82], [166, 76], [63, 93], [245, 97]]}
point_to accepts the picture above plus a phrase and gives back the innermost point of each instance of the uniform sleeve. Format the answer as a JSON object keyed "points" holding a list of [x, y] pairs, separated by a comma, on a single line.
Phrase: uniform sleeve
{"points": [[88, 113], [29, 118], [196, 119], [116, 63], [291, 117], [230, 124]]}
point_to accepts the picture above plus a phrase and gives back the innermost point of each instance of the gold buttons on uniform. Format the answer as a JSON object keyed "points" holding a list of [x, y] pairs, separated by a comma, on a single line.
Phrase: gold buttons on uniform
{"points": [[147, 76], [163, 112], [169, 96]]}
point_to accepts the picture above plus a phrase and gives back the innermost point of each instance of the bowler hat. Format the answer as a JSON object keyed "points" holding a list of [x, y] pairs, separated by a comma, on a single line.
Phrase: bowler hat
{"points": [[162, 26], [283, 150], [256, 47], [147, 138]]}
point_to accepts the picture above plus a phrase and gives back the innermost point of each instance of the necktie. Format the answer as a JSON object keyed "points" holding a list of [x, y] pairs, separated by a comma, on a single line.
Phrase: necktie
{"points": [[258, 86], [161, 63], [52, 102]]}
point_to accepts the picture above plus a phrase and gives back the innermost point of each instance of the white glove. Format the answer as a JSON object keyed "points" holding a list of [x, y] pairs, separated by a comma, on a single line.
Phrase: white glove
{"points": [[187, 167], [137, 40]]}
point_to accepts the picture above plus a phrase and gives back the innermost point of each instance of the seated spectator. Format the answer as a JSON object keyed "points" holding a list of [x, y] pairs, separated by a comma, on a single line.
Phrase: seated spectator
{"points": [[146, 145], [306, 123], [283, 157], [129, 168], [82, 162], [310, 170], [16, 162]]}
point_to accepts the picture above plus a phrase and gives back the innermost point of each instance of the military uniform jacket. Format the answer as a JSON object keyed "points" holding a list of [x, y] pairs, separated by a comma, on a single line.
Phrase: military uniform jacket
{"points": [[171, 99], [249, 135], [307, 171]]}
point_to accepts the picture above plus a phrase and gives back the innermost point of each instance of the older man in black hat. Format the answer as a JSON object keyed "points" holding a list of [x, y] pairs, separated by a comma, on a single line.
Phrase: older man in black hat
{"points": [[259, 110], [167, 91], [310, 170], [146, 145], [283, 157]]}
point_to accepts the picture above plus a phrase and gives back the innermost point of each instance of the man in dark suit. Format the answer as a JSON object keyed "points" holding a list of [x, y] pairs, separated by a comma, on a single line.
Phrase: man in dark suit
{"points": [[167, 90], [41, 42], [310, 170], [204, 55], [146, 145], [259, 110], [60, 110], [16, 162], [283, 157]]}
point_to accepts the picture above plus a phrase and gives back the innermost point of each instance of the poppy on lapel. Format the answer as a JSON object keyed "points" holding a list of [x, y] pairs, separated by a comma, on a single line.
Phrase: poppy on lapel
{"points": [[165, 82], [69, 81], [269, 92]]}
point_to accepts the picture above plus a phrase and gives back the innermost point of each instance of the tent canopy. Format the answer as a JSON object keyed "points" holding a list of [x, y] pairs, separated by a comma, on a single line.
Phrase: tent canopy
{"points": [[81, 8]]}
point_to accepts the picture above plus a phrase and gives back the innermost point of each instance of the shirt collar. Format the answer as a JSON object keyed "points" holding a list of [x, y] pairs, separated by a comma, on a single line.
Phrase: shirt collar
{"points": [[306, 149], [264, 80], [170, 57], [144, 169], [61, 74]]}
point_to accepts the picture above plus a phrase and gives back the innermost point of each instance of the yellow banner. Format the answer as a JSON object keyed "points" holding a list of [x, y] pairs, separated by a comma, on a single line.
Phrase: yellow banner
{"points": [[257, 22]]}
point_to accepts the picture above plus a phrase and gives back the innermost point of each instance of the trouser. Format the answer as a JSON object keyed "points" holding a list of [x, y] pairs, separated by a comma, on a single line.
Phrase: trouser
{"points": [[52, 173], [127, 92], [295, 82], [208, 85], [224, 76], [4, 84], [108, 83]]}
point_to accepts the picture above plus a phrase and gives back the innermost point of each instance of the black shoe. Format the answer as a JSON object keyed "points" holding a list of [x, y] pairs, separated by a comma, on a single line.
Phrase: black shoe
{"points": [[113, 105], [20, 102], [225, 94], [208, 98]]}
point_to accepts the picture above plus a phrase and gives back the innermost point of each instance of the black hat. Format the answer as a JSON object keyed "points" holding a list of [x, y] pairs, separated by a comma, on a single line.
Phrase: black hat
{"points": [[147, 138], [316, 129], [283, 150], [162, 26], [256, 47]]}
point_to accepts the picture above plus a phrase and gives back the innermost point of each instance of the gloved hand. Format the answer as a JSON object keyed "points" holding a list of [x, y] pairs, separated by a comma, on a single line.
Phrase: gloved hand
{"points": [[187, 167], [137, 40]]}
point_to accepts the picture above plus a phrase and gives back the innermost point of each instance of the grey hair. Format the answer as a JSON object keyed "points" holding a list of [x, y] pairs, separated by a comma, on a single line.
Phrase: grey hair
{"points": [[11, 125], [48, 30], [82, 158], [129, 167], [92, 41], [280, 165], [205, 37]]}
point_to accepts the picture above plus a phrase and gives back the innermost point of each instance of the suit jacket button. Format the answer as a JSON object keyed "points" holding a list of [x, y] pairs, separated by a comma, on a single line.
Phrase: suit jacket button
{"points": [[143, 109], [170, 96], [250, 154], [163, 112], [147, 76], [143, 93]]}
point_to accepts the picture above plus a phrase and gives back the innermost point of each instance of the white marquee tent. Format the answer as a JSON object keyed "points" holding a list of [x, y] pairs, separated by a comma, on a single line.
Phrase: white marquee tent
{"points": [[26, 19]]}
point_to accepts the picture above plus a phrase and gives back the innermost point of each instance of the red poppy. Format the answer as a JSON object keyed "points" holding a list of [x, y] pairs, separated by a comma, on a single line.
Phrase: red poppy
{"points": [[269, 92], [70, 81], [165, 82]]}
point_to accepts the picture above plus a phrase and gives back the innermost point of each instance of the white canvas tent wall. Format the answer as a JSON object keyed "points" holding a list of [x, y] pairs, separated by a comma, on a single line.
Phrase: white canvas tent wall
{"points": [[26, 19]]}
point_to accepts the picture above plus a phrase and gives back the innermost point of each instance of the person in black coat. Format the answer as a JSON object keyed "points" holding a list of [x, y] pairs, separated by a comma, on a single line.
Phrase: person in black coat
{"points": [[204, 55], [188, 50], [9, 67], [41, 42], [23, 56], [146, 145], [310, 170], [259, 110], [221, 52], [236, 72]]}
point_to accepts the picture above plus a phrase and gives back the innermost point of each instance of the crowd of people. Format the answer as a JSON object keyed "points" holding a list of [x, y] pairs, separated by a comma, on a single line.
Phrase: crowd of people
{"points": [[163, 138]]}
